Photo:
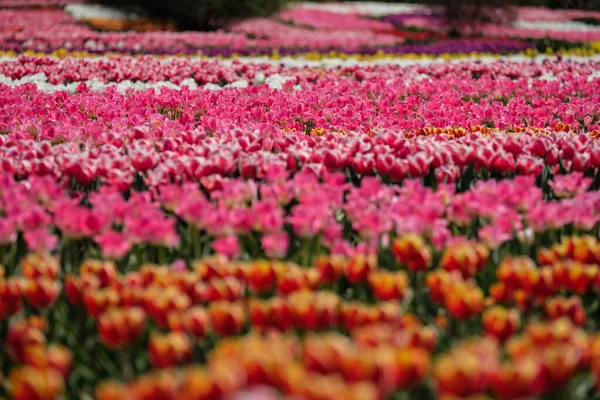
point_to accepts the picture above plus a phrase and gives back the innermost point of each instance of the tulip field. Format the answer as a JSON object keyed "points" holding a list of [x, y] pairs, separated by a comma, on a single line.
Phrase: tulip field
{"points": [[339, 202]]}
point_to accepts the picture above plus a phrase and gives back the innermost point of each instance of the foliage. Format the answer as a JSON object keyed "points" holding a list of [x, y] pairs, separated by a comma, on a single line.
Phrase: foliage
{"points": [[198, 14]]}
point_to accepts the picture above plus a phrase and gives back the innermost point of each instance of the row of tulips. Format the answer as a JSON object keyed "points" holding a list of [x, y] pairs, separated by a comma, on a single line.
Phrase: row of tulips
{"points": [[513, 97], [415, 77], [166, 316], [283, 218]]}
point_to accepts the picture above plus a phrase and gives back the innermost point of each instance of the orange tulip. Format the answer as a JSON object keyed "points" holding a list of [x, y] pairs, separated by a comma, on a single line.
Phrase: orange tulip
{"points": [[330, 268], [56, 357], [359, 267], [228, 288], [169, 349], [118, 327], [388, 285], [98, 301], [41, 292], [500, 322], [227, 318], [105, 271], [40, 265], [412, 251], [75, 287], [30, 383], [111, 390]]}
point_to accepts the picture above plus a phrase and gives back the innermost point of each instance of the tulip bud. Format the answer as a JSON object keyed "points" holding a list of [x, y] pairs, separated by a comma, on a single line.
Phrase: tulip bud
{"points": [[294, 278], [467, 258], [282, 314], [111, 390], [159, 303], [261, 314], [330, 267], [464, 300], [10, 297], [412, 251], [387, 285], [522, 378], [197, 384], [75, 287], [439, 281], [227, 318], [500, 322], [30, 383], [400, 368], [228, 288], [23, 334], [40, 265], [169, 349], [161, 384], [42, 292], [261, 276], [98, 301], [466, 369], [56, 357], [105, 271], [572, 307], [118, 327], [512, 271], [196, 321], [359, 267]]}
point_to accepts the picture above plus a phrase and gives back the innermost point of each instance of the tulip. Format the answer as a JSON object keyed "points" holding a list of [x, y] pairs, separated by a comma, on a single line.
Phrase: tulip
{"points": [[39, 265], [76, 286], [439, 281], [159, 303], [24, 334], [30, 383], [105, 271], [520, 379], [412, 251], [196, 321], [464, 300], [359, 267], [500, 322], [468, 258], [465, 370], [228, 288], [330, 267], [120, 327], [169, 349], [227, 318], [161, 384], [295, 278], [387, 285], [110, 390], [197, 384], [42, 292], [572, 308], [98, 301], [261, 276], [55, 357], [10, 297]]}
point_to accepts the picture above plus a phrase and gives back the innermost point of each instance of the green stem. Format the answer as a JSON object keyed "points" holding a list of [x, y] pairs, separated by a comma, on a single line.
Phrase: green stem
{"points": [[305, 252], [162, 255], [127, 368], [196, 242]]}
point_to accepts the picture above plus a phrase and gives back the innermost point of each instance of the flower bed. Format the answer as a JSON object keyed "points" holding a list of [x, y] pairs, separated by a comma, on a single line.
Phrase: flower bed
{"points": [[356, 228]]}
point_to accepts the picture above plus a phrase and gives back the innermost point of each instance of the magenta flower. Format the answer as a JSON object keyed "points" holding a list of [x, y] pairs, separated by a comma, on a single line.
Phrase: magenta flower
{"points": [[113, 244], [570, 185], [275, 244], [40, 240], [227, 245]]}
